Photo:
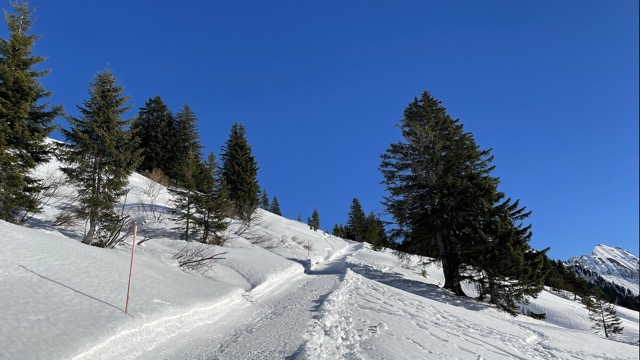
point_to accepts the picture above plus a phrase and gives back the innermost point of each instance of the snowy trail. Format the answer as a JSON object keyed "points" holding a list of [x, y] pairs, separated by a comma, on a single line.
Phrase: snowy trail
{"points": [[270, 324]]}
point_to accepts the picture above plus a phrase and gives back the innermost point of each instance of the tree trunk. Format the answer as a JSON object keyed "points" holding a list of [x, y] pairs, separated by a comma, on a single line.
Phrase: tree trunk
{"points": [[88, 239], [450, 268]]}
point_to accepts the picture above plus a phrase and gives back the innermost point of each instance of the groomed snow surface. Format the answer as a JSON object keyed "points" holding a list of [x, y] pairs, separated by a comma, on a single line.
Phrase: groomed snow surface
{"points": [[60, 299]]}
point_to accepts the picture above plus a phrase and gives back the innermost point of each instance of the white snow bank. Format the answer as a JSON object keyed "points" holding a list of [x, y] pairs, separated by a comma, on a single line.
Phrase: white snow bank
{"points": [[365, 319]]}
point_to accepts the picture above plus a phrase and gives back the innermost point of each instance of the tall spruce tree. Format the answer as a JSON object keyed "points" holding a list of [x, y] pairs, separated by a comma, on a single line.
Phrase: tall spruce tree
{"points": [[185, 197], [356, 221], [25, 119], [155, 130], [212, 205], [100, 154], [240, 171], [186, 140], [275, 206], [314, 220], [445, 202]]}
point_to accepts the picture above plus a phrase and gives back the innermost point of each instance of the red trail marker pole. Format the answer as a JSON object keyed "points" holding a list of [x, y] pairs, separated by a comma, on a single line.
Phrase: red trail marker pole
{"points": [[133, 251]]}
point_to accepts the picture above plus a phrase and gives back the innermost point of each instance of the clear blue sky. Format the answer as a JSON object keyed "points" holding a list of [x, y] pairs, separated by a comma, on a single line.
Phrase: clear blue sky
{"points": [[551, 86]]}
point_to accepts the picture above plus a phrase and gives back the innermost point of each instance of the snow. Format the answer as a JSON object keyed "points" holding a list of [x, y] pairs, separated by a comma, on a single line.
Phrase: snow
{"points": [[60, 299], [614, 264]]}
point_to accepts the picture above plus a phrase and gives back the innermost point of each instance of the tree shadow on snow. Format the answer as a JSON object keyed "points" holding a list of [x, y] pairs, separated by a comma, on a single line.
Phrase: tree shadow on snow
{"points": [[70, 288], [429, 291]]}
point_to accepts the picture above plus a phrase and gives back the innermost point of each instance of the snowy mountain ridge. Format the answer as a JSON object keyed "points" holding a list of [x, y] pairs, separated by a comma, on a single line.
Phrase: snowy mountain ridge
{"points": [[613, 264]]}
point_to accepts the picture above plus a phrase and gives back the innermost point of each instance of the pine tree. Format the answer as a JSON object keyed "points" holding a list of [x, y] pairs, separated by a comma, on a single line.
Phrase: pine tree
{"points": [[339, 231], [603, 314], [314, 220], [440, 188], [510, 270], [240, 171], [356, 221], [212, 203], [155, 130], [185, 197], [100, 154], [275, 206], [374, 232], [185, 141], [264, 200], [299, 218], [24, 118]]}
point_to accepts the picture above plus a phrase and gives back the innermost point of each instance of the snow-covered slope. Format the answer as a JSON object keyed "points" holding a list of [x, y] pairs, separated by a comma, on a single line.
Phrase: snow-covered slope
{"points": [[613, 264], [60, 299]]}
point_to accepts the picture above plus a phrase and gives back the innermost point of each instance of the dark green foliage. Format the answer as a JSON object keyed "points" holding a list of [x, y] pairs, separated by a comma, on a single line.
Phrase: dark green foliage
{"points": [[185, 197], [339, 231], [212, 204], [264, 200], [314, 220], [299, 218], [99, 156], [603, 314], [561, 277], [356, 221], [510, 269], [446, 205], [374, 232], [240, 171], [186, 141], [24, 118], [155, 130], [275, 206]]}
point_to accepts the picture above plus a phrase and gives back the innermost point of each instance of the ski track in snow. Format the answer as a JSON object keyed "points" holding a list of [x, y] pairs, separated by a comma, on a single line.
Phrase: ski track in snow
{"points": [[355, 317], [270, 325]]}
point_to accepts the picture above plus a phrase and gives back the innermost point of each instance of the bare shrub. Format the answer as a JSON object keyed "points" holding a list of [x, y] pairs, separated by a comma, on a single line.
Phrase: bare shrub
{"points": [[255, 220], [154, 182], [198, 257], [157, 181], [65, 218]]}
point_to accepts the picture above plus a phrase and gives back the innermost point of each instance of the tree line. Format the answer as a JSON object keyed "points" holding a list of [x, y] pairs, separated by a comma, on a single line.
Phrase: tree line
{"points": [[102, 148]]}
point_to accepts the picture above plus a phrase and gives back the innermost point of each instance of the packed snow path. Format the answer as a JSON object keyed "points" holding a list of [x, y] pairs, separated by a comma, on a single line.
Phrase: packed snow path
{"points": [[269, 324]]}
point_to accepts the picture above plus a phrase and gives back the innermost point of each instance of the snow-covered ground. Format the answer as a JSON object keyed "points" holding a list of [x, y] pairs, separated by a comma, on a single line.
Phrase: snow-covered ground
{"points": [[60, 299]]}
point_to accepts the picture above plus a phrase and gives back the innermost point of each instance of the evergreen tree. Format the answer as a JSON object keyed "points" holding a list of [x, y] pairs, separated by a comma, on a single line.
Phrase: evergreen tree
{"points": [[603, 314], [185, 141], [299, 218], [100, 154], [275, 206], [240, 171], [356, 221], [374, 232], [339, 231], [25, 120], [185, 197], [510, 270], [445, 201], [264, 200], [212, 203], [314, 220], [155, 130]]}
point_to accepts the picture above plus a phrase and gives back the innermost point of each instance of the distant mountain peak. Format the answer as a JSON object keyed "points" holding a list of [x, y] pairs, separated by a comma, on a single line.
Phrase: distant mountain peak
{"points": [[610, 266]]}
